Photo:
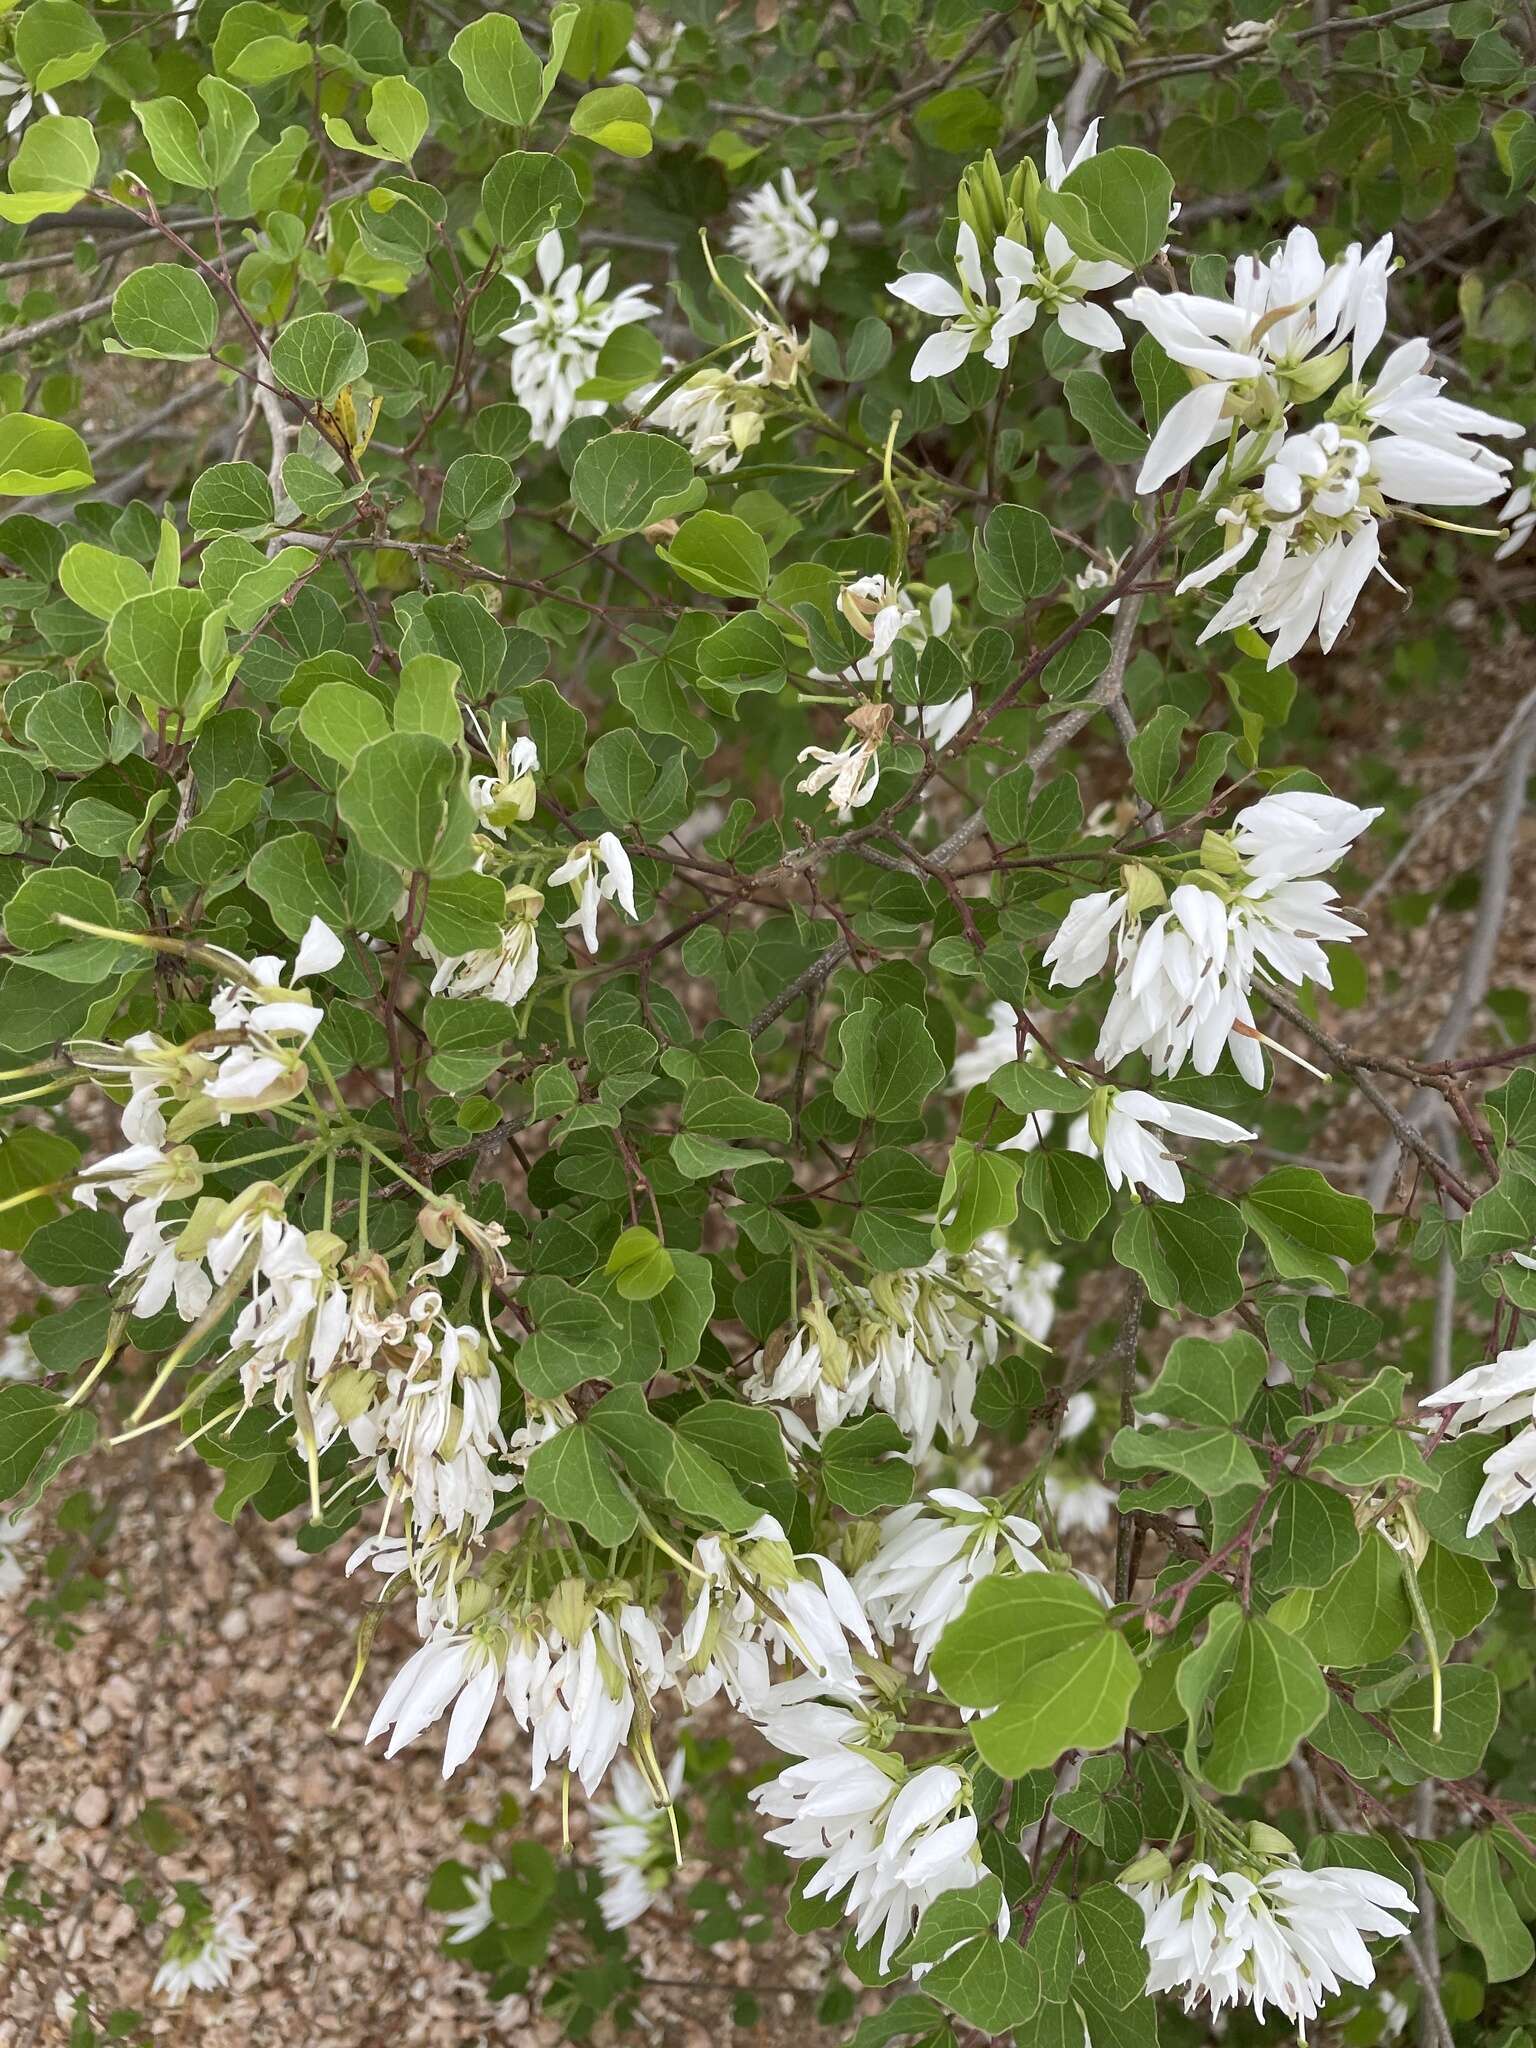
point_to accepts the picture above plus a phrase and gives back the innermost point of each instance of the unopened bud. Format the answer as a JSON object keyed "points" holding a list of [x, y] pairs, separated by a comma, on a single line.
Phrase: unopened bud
{"points": [[1267, 1841], [1143, 888], [1219, 855], [660, 530], [350, 1392], [870, 722], [1153, 1868]]}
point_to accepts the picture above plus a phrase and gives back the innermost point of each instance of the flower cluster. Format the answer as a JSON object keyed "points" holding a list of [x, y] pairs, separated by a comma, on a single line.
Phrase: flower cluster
{"points": [[911, 1343], [777, 235], [1265, 1933], [555, 342], [1186, 960], [721, 411], [1315, 496], [1034, 271]]}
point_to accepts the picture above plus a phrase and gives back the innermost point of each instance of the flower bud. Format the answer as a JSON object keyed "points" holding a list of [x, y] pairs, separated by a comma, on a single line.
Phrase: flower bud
{"points": [[1264, 1840], [1153, 1868], [1218, 855], [1143, 888]]}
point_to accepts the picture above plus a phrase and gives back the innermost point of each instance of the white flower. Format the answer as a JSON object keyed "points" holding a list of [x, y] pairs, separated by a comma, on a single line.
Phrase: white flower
{"points": [[1028, 1294], [717, 412], [1134, 1158], [898, 616], [201, 1951], [453, 1667], [508, 797], [504, 973], [971, 321], [893, 1841], [1282, 1937], [1098, 576], [14, 87], [912, 1344], [465, 1922], [997, 1048], [556, 339], [633, 1843], [598, 871], [1516, 512], [438, 1427], [852, 772], [1080, 1505], [777, 235], [575, 1690], [1488, 1398], [1058, 282], [932, 1555], [651, 66], [1183, 979], [1243, 37], [756, 1601], [1256, 351]]}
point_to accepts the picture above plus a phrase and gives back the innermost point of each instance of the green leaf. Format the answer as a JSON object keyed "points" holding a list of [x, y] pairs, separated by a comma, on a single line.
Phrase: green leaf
{"points": [[426, 698], [640, 1264], [98, 580], [616, 118], [55, 43], [1274, 1697], [231, 498], [340, 719], [290, 874], [980, 1193], [501, 75], [52, 169], [165, 310], [1094, 406], [717, 552], [1361, 1614], [619, 775], [39, 456], [254, 44], [657, 1458], [1307, 1226], [1480, 1907], [1007, 1626], [477, 491], [1016, 559], [38, 1434], [991, 1984], [572, 1475], [397, 120], [525, 194], [175, 142], [889, 1064], [1126, 195], [1109, 1930], [714, 1104], [621, 482], [1079, 1699], [315, 355], [864, 1465], [1471, 1713], [1203, 1381], [1186, 1252], [155, 648], [1313, 1536], [1066, 1191], [1212, 1459], [400, 796]]}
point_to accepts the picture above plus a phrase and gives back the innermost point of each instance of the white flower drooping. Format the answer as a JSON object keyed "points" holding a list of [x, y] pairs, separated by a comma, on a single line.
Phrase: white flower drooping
{"points": [[1273, 1935], [633, 1843], [777, 235], [598, 871], [932, 1555], [556, 340], [1122, 1123], [851, 774], [894, 1840], [504, 973], [1493, 1397], [1183, 977]]}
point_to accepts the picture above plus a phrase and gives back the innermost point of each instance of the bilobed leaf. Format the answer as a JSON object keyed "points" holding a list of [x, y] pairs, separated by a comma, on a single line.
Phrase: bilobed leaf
{"points": [[175, 141], [317, 354], [231, 497], [572, 1475], [889, 1064], [1308, 1226], [717, 552], [615, 117], [1185, 1251], [1202, 1381], [1079, 1699], [1470, 1715], [39, 456], [1313, 1536], [1478, 1903], [56, 42], [501, 75], [1006, 1626], [527, 193], [1126, 195], [991, 1984], [1274, 1696], [399, 797], [864, 1465], [621, 482], [1213, 1459], [36, 1426], [1016, 559]]}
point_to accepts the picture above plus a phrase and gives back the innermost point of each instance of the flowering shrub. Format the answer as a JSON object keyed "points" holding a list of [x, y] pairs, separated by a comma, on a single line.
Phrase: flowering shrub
{"points": [[692, 814]]}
